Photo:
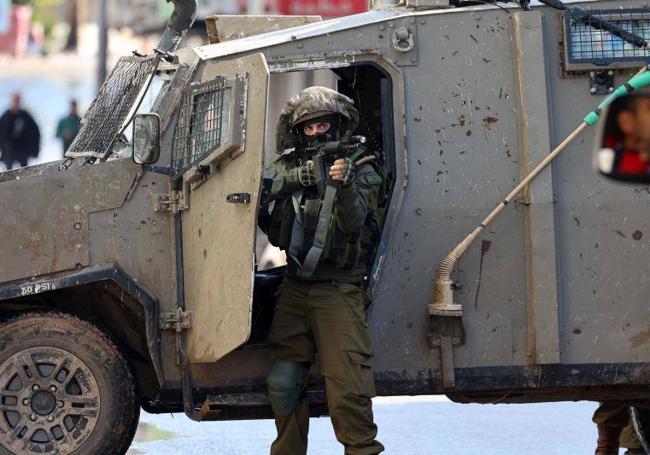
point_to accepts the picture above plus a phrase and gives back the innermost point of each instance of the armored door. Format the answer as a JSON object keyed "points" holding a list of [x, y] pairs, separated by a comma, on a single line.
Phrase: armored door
{"points": [[219, 145]]}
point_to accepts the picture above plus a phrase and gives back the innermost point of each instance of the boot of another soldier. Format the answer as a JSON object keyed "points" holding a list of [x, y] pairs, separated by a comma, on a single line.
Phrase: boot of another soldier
{"points": [[608, 440]]}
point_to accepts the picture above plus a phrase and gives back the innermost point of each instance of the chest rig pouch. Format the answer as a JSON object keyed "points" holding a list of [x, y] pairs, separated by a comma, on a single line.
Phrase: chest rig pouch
{"points": [[305, 225], [294, 228]]}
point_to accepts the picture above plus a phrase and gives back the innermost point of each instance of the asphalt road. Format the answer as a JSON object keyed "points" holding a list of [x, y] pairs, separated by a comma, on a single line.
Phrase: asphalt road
{"points": [[407, 425]]}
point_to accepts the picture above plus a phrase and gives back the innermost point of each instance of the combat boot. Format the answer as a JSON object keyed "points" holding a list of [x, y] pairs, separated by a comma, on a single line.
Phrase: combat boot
{"points": [[634, 452], [608, 440]]}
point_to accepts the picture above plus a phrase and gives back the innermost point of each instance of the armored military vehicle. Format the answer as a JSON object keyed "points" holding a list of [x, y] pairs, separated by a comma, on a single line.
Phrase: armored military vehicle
{"points": [[127, 272]]}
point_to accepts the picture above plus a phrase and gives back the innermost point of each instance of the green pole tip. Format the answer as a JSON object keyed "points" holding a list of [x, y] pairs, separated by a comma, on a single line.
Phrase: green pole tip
{"points": [[640, 80], [637, 82], [592, 118]]}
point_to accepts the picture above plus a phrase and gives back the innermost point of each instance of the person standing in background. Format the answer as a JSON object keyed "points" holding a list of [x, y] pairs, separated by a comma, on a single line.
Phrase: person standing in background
{"points": [[19, 135], [69, 126]]}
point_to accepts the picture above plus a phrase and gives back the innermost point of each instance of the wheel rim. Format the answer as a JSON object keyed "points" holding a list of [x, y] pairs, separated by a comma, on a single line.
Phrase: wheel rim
{"points": [[49, 401]]}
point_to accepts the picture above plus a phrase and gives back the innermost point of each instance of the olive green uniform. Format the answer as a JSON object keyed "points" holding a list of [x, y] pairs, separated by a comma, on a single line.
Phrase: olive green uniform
{"points": [[330, 319], [326, 312]]}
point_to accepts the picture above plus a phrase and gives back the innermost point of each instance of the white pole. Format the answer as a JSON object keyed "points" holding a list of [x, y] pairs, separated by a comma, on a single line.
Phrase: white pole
{"points": [[102, 43]]}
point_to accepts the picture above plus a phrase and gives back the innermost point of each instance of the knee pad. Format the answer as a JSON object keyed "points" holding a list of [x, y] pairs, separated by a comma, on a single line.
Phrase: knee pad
{"points": [[285, 382]]}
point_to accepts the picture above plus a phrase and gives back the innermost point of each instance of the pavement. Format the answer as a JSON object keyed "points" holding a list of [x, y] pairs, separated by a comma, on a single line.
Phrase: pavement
{"points": [[425, 425]]}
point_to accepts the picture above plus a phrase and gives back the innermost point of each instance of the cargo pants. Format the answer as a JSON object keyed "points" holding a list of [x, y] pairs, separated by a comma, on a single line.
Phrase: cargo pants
{"points": [[616, 414], [328, 319]]}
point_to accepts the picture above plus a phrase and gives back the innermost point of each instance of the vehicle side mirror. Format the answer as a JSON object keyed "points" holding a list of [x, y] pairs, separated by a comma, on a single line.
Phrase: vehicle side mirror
{"points": [[622, 149], [146, 138]]}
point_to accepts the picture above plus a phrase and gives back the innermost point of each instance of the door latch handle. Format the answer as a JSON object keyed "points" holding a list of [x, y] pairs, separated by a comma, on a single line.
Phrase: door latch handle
{"points": [[239, 198]]}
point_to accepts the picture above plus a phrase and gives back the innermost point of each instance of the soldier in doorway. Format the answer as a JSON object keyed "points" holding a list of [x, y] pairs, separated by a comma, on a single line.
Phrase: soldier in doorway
{"points": [[330, 240]]}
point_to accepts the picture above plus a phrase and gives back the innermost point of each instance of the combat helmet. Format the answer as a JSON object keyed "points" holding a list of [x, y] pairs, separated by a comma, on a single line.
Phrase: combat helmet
{"points": [[310, 103]]}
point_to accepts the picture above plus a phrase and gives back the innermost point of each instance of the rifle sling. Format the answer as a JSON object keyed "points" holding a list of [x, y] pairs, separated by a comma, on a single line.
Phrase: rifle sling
{"points": [[313, 256]]}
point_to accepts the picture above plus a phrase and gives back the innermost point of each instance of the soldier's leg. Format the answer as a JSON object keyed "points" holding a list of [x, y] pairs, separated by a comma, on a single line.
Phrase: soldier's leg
{"points": [[292, 349], [286, 382], [610, 418], [337, 315], [629, 439]]}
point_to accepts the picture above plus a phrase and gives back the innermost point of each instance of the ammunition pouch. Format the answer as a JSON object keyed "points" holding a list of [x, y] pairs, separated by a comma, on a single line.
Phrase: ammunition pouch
{"points": [[294, 219], [281, 223], [345, 250]]}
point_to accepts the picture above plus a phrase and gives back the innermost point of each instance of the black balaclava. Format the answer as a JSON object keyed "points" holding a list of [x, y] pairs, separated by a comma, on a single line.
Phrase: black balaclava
{"points": [[330, 135]]}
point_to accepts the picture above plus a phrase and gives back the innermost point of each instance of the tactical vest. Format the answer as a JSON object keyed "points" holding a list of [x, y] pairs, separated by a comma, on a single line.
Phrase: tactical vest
{"points": [[344, 250]]}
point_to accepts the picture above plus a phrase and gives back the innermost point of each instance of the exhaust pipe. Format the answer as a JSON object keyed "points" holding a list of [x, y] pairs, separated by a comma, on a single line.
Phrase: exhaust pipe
{"points": [[181, 20]]}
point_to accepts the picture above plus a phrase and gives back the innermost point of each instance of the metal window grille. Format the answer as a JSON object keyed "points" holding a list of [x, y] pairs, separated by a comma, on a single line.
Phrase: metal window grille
{"points": [[587, 45], [203, 123], [106, 115]]}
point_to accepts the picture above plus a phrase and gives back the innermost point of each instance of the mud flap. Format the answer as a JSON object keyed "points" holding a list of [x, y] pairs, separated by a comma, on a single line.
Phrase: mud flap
{"points": [[445, 332]]}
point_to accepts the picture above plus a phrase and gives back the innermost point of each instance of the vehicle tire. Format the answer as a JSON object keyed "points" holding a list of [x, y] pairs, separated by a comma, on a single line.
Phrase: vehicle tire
{"points": [[65, 388], [641, 419]]}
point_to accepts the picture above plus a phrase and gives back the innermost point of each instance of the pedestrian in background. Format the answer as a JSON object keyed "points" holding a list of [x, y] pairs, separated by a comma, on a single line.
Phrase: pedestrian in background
{"points": [[69, 126], [19, 135]]}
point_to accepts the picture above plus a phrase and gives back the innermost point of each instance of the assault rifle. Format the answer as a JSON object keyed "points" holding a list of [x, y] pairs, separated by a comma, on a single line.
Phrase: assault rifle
{"points": [[324, 154]]}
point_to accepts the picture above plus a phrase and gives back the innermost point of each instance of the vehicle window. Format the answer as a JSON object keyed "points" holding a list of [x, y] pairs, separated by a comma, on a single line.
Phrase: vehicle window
{"points": [[589, 48], [108, 112], [210, 120], [151, 98]]}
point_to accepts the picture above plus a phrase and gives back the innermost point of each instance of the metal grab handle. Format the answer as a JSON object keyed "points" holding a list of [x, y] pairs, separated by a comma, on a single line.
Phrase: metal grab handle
{"points": [[403, 40], [239, 198]]}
